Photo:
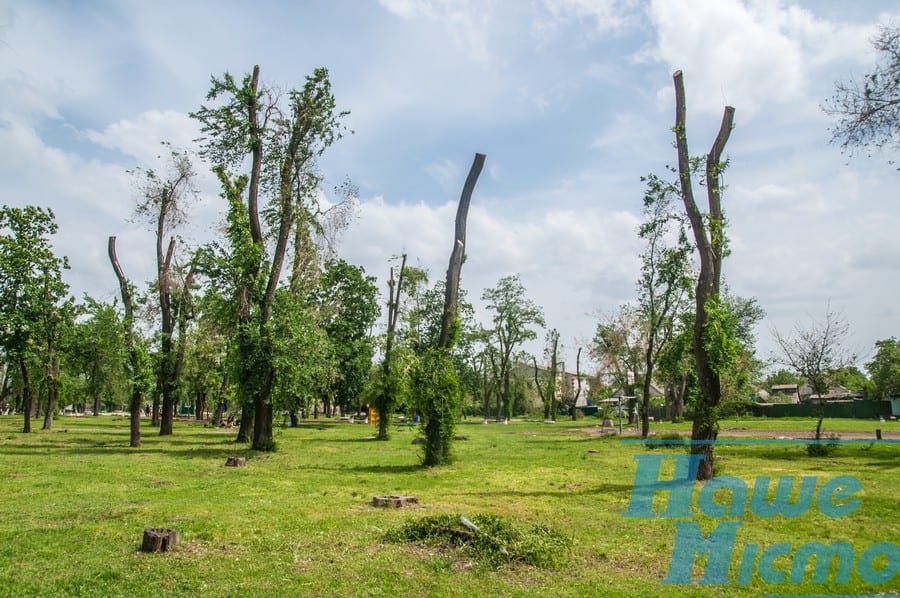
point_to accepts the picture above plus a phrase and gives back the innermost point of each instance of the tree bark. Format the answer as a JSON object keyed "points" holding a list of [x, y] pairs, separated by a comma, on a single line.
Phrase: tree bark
{"points": [[454, 269], [27, 396], [52, 371], [166, 374], [133, 358], [710, 245]]}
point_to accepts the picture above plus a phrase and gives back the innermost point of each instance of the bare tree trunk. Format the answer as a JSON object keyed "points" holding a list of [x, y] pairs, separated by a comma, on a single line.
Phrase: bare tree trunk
{"points": [[578, 384], [133, 358], [385, 402], [52, 371], [27, 395], [710, 241], [437, 443]]}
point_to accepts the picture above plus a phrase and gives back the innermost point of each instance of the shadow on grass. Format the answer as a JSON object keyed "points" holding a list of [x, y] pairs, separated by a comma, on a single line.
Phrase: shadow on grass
{"points": [[600, 489], [199, 451]]}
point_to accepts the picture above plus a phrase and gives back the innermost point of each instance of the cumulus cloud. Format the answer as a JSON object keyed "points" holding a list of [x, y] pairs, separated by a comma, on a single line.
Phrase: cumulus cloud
{"points": [[746, 54]]}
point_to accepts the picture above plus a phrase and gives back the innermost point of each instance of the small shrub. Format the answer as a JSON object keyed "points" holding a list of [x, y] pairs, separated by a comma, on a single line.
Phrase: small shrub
{"points": [[668, 440], [496, 541], [820, 448]]}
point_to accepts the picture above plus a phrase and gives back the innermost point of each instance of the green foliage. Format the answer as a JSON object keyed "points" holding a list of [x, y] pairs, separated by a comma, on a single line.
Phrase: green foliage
{"points": [[96, 356], [348, 306], [491, 540], [823, 448], [885, 369], [783, 376], [31, 282], [720, 335], [437, 394]]}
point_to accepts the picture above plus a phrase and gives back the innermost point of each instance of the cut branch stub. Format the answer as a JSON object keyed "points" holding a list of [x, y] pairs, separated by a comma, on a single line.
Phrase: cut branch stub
{"points": [[159, 539], [394, 501]]}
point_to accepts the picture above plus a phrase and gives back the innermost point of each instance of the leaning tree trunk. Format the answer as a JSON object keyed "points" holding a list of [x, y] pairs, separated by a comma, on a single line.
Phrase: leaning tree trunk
{"points": [[709, 236], [133, 357], [438, 418]]}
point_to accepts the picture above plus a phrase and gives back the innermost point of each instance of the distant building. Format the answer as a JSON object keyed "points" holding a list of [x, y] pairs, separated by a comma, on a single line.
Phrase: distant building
{"points": [[784, 393]]}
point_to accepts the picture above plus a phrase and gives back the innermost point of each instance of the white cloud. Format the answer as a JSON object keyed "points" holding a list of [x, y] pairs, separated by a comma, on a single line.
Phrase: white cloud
{"points": [[468, 22], [141, 136], [748, 55]]}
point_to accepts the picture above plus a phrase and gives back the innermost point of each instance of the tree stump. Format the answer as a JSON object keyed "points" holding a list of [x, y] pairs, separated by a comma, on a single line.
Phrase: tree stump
{"points": [[235, 462], [394, 501], [159, 539]]}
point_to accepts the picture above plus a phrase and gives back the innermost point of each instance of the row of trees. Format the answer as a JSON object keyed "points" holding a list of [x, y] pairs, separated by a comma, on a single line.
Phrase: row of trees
{"points": [[267, 320]]}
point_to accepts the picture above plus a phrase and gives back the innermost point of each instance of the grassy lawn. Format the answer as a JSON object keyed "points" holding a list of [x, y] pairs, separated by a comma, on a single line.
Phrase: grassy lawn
{"points": [[298, 521]]}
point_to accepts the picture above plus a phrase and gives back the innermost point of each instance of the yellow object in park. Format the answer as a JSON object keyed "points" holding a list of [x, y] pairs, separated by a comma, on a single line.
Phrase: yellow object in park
{"points": [[373, 416]]}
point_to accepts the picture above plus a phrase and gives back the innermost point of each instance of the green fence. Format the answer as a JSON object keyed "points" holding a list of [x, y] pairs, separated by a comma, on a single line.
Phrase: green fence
{"points": [[851, 409]]}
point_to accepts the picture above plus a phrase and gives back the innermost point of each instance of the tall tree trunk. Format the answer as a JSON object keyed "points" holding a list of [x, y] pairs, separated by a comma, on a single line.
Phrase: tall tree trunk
{"points": [[578, 385], [133, 359], [438, 431], [385, 402], [245, 429], [263, 414], [27, 395], [709, 236], [52, 371]]}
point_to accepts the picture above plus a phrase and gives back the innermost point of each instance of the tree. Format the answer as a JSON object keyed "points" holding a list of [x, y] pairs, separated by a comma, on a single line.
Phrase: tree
{"points": [[164, 199], [436, 386], [816, 352], [97, 353], [389, 383], [548, 389], [665, 282], [137, 355], [349, 307], [283, 139], [868, 111], [712, 350], [31, 293], [513, 317], [619, 347], [885, 369]]}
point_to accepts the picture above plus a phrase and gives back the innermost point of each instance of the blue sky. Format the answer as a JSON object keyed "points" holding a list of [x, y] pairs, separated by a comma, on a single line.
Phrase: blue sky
{"points": [[571, 100]]}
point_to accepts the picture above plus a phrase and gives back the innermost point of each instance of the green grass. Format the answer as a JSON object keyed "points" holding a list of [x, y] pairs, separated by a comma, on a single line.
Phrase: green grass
{"points": [[74, 502]]}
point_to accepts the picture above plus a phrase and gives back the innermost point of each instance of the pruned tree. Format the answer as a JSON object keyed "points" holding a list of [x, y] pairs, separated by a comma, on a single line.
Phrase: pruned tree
{"points": [[710, 357], [283, 136], [436, 387], [816, 352], [868, 110], [135, 365], [32, 293], [386, 395], [164, 203]]}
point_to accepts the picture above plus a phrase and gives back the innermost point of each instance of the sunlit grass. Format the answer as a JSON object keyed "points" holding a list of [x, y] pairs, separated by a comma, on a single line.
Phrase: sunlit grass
{"points": [[298, 521]]}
